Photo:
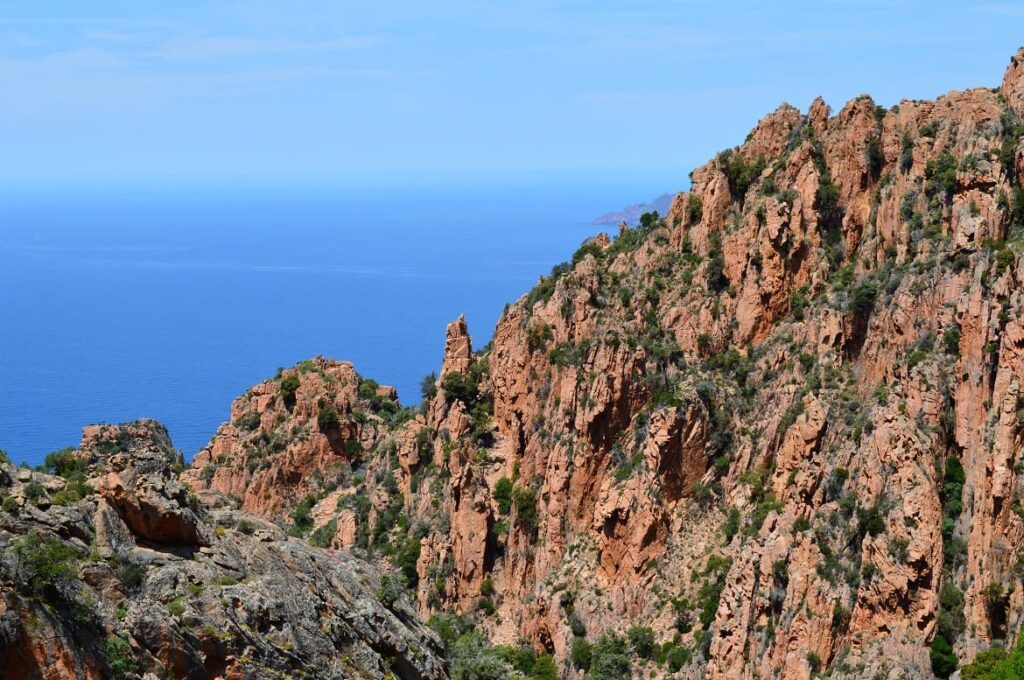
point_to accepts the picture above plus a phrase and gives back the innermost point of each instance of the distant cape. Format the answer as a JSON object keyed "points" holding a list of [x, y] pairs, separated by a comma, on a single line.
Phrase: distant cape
{"points": [[631, 214]]}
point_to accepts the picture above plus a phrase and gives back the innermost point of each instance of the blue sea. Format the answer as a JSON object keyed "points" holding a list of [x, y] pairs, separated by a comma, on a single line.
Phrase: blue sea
{"points": [[168, 304]]}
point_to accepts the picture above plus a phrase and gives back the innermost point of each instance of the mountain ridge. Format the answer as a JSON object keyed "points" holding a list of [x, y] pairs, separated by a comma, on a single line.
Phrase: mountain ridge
{"points": [[631, 213], [776, 432]]}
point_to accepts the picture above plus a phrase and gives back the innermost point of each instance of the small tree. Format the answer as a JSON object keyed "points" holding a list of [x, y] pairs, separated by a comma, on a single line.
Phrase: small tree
{"points": [[503, 495], [289, 388], [327, 418], [459, 387], [525, 501], [428, 386]]}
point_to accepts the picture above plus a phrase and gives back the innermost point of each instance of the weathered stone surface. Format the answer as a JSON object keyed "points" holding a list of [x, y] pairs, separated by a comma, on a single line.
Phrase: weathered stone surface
{"points": [[218, 594]]}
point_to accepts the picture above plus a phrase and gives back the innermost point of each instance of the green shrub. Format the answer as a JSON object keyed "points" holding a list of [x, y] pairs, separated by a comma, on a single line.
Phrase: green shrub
{"points": [[906, 153], [472, 657], [649, 220], [870, 519], [459, 387], [678, 657], [740, 172], [246, 527], [715, 275], [428, 386], [289, 388], [589, 247], [353, 448], [951, 340], [862, 299], [609, 659], [327, 418], [405, 558], [874, 157], [694, 208], [731, 525], [898, 549], [576, 624], [766, 506], [944, 660], [582, 653], [525, 502], [840, 618], [952, 488], [34, 491], [951, 612], [544, 668], [47, 567], [826, 202], [129, 573], [641, 639], [391, 588], [120, 659], [75, 491], [249, 422], [302, 518], [322, 537], [710, 593], [566, 354], [65, 464], [503, 495], [941, 175], [798, 302], [448, 627], [176, 607], [683, 621], [537, 336], [996, 664]]}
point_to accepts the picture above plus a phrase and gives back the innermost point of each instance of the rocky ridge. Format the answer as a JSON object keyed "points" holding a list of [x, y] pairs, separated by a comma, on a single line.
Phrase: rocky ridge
{"points": [[779, 428], [774, 433]]}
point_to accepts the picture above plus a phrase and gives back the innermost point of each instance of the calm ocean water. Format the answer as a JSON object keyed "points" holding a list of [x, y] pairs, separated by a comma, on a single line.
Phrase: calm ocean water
{"points": [[168, 305]]}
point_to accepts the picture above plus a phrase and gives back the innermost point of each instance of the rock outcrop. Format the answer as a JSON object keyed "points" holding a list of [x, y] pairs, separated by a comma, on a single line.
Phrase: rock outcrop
{"points": [[116, 570]]}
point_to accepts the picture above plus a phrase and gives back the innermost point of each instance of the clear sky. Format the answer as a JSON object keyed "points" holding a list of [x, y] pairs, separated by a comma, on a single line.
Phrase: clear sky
{"points": [[113, 91]]}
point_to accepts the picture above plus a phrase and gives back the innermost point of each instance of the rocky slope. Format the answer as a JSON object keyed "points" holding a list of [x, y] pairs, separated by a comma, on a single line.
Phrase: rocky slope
{"points": [[779, 429], [112, 568], [775, 433]]}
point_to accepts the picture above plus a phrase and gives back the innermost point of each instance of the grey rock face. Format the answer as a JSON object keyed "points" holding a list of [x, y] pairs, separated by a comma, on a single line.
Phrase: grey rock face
{"points": [[158, 585]]}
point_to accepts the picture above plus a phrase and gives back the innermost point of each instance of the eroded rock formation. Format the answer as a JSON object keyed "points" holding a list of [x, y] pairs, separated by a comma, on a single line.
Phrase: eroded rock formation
{"points": [[779, 427], [115, 569], [744, 424]]}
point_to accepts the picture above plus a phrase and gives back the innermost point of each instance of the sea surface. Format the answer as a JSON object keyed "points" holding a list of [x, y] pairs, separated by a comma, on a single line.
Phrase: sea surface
{"points": [[167, 304]]}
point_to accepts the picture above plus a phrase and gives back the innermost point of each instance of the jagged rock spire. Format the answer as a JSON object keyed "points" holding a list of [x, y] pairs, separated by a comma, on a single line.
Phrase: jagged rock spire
{"points": [[1013, 82], [458, 347]]}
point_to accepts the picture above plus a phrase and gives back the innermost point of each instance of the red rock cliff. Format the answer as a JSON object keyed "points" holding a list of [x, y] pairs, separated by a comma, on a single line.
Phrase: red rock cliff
{"points": [[780, 426]]}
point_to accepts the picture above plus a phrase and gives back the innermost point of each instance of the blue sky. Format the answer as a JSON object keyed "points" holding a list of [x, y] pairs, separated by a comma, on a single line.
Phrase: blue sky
{"points": [[380, 92]]}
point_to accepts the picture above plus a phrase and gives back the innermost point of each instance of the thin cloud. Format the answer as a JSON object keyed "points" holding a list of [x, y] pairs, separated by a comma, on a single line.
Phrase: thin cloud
{"points": [[226, 47], [1002, 9]]}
